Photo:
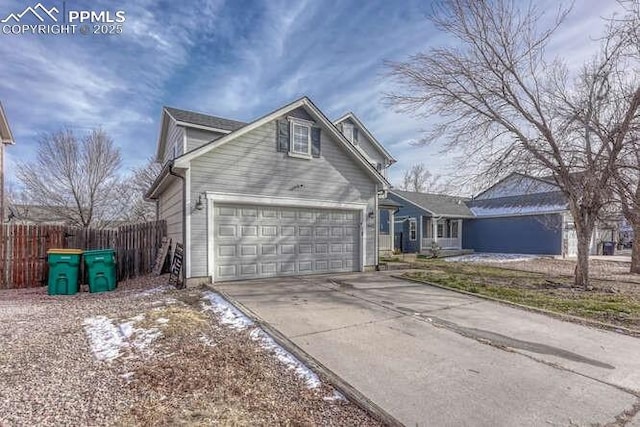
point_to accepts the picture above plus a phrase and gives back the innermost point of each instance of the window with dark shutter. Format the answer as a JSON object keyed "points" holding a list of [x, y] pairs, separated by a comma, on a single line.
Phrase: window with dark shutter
{"points": [[315, 142], [283, 136]]}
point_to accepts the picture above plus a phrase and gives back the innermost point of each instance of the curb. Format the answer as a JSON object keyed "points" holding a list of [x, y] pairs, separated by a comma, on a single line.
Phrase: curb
{"points": [[350, 392], [561, 316]]}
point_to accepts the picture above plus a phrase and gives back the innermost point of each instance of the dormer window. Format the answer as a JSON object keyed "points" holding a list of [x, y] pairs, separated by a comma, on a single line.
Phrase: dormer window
{"points": [[350, 132]]}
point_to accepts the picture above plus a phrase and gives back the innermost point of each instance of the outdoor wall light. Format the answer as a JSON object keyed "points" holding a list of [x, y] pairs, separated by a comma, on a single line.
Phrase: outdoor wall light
{"points": [[371, 215], [199, 204]]}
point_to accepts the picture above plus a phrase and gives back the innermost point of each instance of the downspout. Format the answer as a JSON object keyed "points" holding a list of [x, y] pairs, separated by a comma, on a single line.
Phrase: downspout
{"points": [[377, 231], [184, 217]]}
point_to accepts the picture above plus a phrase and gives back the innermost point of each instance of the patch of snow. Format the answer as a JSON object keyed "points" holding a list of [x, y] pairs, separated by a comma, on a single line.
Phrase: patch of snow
{"points": [[153, 291], [290, 361], [206, 341], [127, 376], [104, 338], [491, 257], [144, 338], [227, 313], [162, 320], [127, 329], [335, 396], [108, 339], [232, 317]]}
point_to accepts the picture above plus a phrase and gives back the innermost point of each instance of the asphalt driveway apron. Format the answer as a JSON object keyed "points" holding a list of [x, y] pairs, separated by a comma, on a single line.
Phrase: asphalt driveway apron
{"points": [[434, 357]]}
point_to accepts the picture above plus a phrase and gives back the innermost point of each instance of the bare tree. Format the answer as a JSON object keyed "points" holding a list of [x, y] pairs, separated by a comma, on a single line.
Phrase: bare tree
{"points": [[497, 96], [627, 187], [75, 179], [627, 176], [418, 178], [138, 183]]}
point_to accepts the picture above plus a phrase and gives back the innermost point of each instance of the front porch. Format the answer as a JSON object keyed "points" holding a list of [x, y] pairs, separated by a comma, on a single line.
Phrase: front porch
{"points": [[441, 233], [386, 229]]}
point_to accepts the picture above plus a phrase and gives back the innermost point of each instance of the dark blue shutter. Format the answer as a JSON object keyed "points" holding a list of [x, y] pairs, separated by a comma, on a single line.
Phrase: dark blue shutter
{"points": [[283, 136], [355, 135], [315, 142]]}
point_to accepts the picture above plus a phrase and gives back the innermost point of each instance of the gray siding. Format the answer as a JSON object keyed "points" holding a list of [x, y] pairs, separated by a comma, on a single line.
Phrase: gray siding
{"points": [[199, 137], [250, 165], [170, 209], [175, 137], [368, 147]]}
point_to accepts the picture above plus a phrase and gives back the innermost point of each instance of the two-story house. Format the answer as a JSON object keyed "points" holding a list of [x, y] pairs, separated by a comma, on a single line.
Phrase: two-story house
{"points": [[289, 193]]}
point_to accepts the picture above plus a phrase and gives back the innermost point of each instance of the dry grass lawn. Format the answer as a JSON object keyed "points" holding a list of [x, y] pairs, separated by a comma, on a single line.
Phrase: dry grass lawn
{"points": [[175, 364], [547, 284]]}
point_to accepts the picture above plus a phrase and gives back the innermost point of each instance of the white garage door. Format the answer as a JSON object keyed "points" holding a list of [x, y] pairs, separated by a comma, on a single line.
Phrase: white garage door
{"points": [[266, 241]]}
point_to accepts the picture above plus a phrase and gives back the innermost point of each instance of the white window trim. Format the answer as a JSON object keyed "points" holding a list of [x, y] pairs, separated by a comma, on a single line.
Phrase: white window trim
{"points": [[415, 230], [350, 138], [303, 123]]}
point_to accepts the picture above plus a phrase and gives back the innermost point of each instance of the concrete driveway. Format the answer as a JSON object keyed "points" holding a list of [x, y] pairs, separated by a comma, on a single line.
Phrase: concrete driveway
{"points": [[434, 357]]}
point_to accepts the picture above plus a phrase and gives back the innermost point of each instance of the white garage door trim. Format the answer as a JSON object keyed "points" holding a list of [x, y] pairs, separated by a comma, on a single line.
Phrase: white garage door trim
{"points": [[213, 198]]}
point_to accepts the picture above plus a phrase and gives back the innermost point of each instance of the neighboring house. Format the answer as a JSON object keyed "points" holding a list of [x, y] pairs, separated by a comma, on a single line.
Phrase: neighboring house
{"points": [[523, 214], [285, 194], [6, 138], [425, 220]]}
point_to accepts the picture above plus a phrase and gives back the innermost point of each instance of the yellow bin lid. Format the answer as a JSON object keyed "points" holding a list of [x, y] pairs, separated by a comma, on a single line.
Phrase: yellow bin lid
{"points": [[65, 251]]}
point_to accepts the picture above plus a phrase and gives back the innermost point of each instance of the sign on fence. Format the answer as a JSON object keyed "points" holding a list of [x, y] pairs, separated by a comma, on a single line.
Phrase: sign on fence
{"points": [[176, 266]]}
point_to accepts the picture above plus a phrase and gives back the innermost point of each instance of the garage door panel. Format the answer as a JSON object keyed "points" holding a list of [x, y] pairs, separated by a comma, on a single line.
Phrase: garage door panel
{"points": [[288, 231], [266, 241]]}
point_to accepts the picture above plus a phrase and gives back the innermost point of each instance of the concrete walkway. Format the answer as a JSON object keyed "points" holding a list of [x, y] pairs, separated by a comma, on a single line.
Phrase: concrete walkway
{"points": [[435, 357]]}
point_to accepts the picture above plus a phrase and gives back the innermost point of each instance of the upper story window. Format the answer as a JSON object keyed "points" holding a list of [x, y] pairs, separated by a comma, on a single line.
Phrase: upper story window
{"points": [[350, 132], [300, 139]]}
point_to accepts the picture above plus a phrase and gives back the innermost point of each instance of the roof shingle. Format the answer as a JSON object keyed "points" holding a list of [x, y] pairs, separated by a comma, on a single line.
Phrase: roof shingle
{"points": [[439, 204], [204, 119]]}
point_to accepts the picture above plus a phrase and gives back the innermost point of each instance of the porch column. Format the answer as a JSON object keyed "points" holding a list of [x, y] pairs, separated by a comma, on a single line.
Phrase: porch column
{"points": [[392, 227], [419, 233], [434, 222], [459, 234]]}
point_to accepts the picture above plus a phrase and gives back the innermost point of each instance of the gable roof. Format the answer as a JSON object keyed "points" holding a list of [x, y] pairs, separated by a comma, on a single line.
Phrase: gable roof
{"points": [[187, 118], [184, 160], [6, 137], [437, 204], [527, 204], [351, 116], [523, 177], [191, 119]]}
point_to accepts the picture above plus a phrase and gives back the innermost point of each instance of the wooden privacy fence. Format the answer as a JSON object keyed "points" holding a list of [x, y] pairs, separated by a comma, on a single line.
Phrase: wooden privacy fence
{"points": [[23, 249]]}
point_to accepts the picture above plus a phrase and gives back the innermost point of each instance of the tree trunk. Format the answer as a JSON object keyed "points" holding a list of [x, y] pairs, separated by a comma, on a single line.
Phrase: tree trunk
{"points": [[582, 267], [635, 250]]}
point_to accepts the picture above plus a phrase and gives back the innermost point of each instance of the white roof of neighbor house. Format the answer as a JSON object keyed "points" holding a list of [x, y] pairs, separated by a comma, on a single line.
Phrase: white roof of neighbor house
{"points": [[5, 131], [528, 204]]}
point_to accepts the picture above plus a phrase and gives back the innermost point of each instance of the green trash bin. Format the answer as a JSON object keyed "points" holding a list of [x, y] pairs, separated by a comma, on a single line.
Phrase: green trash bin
{"points": [[101, 269], [63, 271]]}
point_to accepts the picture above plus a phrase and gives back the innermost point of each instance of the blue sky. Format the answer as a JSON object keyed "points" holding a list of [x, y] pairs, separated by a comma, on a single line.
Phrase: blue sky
{"points": [[235, 59]]}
